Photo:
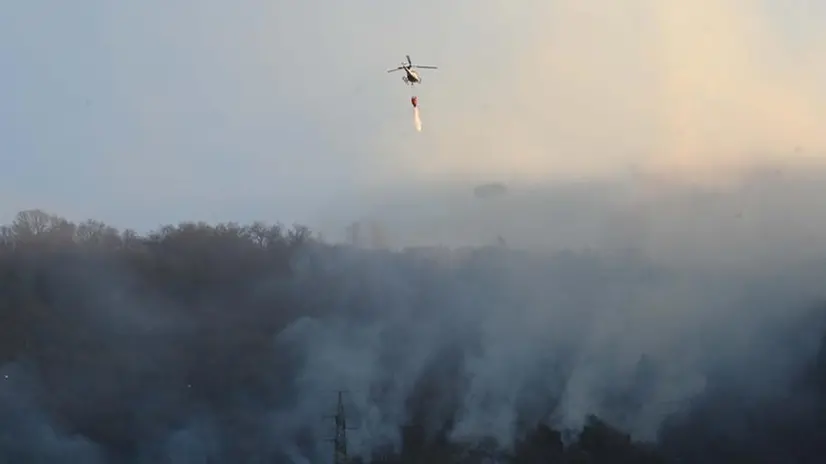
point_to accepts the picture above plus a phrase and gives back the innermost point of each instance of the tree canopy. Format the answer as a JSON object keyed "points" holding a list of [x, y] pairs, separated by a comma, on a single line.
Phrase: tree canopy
{"points": [[188, 344]]}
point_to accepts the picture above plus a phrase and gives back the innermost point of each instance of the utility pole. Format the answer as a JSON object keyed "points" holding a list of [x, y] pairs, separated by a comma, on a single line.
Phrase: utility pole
{"points": [[340, 440]]}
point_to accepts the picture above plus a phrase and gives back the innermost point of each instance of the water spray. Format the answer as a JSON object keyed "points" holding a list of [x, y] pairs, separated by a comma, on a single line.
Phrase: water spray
{"points": [[417, 120]]}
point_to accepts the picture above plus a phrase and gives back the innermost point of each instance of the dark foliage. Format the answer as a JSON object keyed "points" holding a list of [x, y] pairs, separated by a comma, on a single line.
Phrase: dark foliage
{"points": [[160, 348]]}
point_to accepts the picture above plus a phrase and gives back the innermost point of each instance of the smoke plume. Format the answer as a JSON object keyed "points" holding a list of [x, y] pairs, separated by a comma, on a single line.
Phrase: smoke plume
{"points": [[648, 311], [687, 313]]}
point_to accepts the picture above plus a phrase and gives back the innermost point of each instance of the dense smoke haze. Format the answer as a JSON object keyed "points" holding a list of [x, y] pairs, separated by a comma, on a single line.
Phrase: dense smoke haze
{"points": [[222, 344], [644, 282]]}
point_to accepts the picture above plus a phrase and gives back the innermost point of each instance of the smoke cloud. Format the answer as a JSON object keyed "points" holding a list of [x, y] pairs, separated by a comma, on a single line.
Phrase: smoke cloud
{"points": [[588, 88], [641, 297], [643, 324], [669, 274]]}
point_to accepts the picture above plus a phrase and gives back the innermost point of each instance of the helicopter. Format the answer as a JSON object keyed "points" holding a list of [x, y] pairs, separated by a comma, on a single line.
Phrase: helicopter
{"points": [[411, 76]]}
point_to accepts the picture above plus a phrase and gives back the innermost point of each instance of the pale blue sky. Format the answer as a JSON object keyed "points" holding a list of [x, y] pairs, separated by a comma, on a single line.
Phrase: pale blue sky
{"points": [[142, 113], [145, 112]]}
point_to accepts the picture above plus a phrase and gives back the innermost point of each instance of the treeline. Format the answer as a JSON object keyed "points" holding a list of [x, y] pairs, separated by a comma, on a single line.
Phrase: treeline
{"points": [[117, 347]]}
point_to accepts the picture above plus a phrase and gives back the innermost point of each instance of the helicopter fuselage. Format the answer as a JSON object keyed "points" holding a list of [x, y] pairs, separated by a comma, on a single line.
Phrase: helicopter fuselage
{"points": [[411, 77]]}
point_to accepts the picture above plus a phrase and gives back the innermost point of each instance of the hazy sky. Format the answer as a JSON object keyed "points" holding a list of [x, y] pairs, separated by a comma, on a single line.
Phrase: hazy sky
{"points": [[141, 113]]}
